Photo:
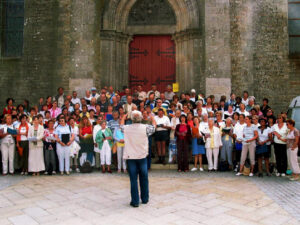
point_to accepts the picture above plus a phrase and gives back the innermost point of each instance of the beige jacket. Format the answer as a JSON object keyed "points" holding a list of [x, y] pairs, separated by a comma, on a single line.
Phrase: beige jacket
{"points": [[40, 135]]}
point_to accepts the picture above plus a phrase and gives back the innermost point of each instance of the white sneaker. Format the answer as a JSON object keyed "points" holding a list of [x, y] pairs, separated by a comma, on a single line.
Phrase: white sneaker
{"points": [[283, 174], [194, 169], [53, 172], [201, 169], [277, 174], [22, 173], [71, 170], [77, 170], [250, 174], [46, 173], [61, 173], [68, 173], [238, 174]]}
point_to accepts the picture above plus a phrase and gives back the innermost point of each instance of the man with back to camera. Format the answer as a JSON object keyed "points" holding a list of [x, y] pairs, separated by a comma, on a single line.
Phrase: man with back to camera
{"points": [[135, 153]]}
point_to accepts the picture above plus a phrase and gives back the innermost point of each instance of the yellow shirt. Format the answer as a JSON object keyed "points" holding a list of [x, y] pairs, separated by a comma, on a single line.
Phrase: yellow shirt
{"points": [[212, 141], [155, 110]]}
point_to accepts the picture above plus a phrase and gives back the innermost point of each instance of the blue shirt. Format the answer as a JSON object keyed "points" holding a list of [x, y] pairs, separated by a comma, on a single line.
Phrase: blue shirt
{"points": [[62, 130]]}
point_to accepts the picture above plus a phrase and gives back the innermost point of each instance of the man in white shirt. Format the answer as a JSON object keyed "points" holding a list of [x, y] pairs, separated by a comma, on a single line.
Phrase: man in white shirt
{"points": [[142, 95], [75, 99], [169, 94], [155, 91], [245, 98], [94, 93]]}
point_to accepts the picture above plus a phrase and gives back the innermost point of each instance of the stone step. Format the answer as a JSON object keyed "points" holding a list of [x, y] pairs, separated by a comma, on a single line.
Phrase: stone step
{"points": [[168, 166]]}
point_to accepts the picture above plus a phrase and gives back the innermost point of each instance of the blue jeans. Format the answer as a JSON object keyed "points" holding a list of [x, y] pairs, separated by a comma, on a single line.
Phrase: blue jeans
{"points": [[138, 167], [149, 152]]}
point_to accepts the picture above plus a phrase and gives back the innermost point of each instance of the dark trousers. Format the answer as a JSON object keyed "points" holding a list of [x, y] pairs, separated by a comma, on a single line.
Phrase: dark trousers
{"points": [[138, 167], [183, 154], [281, 157], [149, 152], [24, 158], [50, 159]]}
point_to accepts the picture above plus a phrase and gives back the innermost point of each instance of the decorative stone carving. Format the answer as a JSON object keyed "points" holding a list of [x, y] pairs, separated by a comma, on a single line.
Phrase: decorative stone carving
{"points": [[151, 12]]}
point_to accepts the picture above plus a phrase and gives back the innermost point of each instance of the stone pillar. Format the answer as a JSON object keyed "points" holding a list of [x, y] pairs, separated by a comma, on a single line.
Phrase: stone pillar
{"points": [[114, 58], [241, 42], [188, 59], [217, 42]]}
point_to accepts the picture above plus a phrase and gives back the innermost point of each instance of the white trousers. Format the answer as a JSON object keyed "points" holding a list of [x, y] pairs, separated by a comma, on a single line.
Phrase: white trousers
{"points": [[8, 154], [105, 154], [63, 153], [212, 155], [121, 161], [293, 158]]}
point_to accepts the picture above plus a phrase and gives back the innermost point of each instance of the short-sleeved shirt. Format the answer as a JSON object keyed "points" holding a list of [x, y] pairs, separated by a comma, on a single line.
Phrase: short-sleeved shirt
{"points": [[282, 131], [248, 132], [263, 135], [291, 137], [238, 131], [162, 121], [62, 130]]}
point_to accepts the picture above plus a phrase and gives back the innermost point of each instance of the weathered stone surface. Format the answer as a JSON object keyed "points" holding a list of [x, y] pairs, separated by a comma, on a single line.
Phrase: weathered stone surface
{"points": [[242, 40]]}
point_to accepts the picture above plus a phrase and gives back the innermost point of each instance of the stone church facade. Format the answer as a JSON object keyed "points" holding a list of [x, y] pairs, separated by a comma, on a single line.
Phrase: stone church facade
{"points": [[221, 46]]}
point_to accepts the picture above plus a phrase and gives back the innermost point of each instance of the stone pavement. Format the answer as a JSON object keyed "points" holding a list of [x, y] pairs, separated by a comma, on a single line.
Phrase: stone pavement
{"points": [[185, 198]]}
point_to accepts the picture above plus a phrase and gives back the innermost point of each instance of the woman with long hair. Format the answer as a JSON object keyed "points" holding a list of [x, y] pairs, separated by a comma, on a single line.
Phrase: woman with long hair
{"points": [[183, 136], [86, 138], [198, 144]]}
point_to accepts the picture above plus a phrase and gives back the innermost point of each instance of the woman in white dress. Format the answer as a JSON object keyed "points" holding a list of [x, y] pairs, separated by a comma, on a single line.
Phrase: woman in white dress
{"points": [[36, 154]]}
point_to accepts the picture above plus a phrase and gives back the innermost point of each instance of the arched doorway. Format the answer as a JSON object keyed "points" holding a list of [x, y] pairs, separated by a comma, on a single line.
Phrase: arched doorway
{"points": [[176, 21]]}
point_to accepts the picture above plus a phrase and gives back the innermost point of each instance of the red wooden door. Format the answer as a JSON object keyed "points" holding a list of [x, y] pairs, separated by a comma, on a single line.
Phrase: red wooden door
{"points": [[152, 60]]}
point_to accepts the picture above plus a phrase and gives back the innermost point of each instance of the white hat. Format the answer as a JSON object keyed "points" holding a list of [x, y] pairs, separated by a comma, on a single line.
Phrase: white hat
{"points": [[93, 89], [193, 91]]}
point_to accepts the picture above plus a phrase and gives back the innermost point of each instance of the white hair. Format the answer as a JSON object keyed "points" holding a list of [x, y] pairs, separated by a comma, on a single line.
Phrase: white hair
{"points": [[136, 116]]}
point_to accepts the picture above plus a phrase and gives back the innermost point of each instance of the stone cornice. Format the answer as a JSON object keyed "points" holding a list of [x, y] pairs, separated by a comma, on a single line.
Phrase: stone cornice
{"points": [[187, 35], [112, 35]]}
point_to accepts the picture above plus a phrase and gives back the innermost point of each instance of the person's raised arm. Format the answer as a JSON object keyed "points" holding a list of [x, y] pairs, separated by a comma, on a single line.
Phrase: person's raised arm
{"points": [[122, 122]]}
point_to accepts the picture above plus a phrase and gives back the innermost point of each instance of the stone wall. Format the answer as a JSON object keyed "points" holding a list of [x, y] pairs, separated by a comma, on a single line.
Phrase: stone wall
{"points": [[239, 40], [33, 74]]}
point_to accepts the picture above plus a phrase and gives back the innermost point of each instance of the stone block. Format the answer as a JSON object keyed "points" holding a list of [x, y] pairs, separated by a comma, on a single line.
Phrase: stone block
{"points": [[218, 87]]}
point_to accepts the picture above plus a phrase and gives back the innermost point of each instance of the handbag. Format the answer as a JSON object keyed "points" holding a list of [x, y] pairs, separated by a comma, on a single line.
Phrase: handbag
{"points": [[200, 141], [114, 148]]}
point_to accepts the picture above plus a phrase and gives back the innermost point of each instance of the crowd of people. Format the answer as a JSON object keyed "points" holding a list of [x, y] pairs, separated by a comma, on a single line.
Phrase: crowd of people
{"points": [[63, 133]]}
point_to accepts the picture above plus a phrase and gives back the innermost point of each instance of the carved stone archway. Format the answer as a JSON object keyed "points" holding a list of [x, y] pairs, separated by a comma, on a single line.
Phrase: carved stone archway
{"points": [[116, 34]]}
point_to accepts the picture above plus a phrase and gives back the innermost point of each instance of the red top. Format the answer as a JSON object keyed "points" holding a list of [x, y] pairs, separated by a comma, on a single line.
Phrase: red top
{"points": [[182, 129], [86, 130], [191, 123], [8, 110]]}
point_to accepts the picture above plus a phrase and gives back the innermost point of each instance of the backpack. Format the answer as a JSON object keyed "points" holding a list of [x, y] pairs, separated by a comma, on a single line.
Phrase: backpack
{"points": [[86, 167], [223, 166]]}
